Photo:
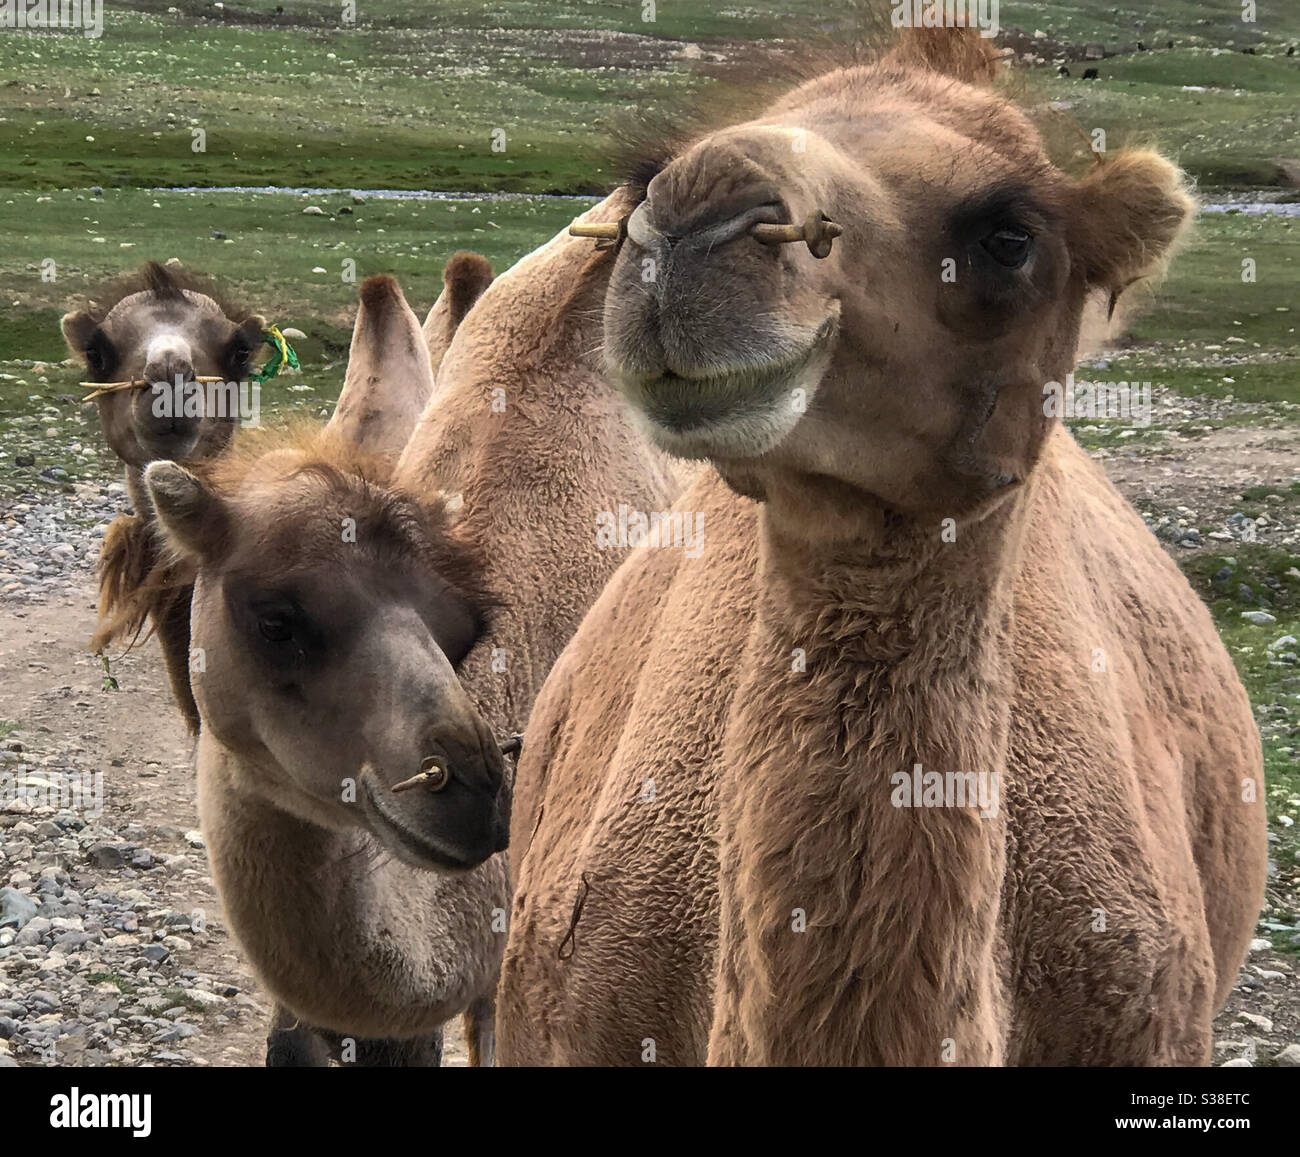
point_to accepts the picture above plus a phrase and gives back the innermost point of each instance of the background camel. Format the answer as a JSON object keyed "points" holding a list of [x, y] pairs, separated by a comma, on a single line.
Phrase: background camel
{"points": [[171, 317], [153, 325], [908, 565]]}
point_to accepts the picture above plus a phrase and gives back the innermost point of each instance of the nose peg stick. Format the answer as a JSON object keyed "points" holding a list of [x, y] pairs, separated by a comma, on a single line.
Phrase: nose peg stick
{"points": [[607, 235], [433, 775], [818, 231]]}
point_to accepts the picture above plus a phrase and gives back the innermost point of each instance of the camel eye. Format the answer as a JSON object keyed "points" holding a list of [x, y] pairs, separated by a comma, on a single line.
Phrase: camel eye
{"points": [[275, 628], [1008, 246]]}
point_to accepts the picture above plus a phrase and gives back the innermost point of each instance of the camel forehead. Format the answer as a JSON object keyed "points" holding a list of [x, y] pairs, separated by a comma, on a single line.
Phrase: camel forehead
{"points": [[145, 309], [287, 514], [877, 114]]}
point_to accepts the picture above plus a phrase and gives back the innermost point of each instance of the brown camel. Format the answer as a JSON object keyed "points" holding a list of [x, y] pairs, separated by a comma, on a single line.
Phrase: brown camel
{"points": [[933, 756], [164, 310], [153, 325], [329, 612], [527, 434]]}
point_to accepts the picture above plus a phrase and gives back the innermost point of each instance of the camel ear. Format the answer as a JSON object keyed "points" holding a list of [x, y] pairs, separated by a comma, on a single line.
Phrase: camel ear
{"points": [[192, 517], [464, 278], [388, 379], [961, 53], [1129, 214], [78, 328]]}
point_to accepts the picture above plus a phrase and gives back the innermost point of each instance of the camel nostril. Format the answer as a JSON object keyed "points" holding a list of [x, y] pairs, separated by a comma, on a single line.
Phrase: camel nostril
{"points": [[704, 227]]}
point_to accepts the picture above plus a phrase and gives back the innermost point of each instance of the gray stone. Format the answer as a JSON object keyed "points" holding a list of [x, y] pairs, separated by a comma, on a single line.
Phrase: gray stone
{"points": [[33, 932], [107, 855], [16, 909]]}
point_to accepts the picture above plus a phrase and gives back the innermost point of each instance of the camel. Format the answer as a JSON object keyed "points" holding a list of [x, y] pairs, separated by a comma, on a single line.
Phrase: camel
{"points": [[164, 321], [491, 504], [328, 613], [152, 325], [750, 823]]}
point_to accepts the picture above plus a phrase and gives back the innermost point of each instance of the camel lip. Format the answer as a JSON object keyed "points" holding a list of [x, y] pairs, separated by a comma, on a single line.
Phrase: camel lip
{"points": [[738, 409], [412, 848]]}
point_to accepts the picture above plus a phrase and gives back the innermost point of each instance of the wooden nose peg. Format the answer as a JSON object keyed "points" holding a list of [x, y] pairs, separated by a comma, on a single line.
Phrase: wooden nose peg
{"points": [[817, 231]]}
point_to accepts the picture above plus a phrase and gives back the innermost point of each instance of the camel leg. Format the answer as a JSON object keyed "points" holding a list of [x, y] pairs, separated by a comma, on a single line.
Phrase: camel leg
{"points": [[293, 1045], [174, 639], [479, 1021], [381, 1053]]}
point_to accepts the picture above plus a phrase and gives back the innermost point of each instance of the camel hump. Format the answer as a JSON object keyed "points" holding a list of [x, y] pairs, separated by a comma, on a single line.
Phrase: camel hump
{"points": [[466, 276], [961, 53], [380, 295]]}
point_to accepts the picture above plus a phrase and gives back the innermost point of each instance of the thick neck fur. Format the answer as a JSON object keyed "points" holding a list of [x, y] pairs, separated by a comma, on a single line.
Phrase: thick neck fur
{"points": [[906, 643], [340, 932]]}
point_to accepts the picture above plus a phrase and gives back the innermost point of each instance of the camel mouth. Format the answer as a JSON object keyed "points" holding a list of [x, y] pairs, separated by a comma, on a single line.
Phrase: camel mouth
{"points": [[738, 412], [413, 848]]}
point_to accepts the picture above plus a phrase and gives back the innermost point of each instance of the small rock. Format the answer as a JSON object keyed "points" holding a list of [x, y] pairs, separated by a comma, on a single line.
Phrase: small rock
{"points": [[16, 909], [1260, 945], [107, 855], [1260, 1022], [1259, 618], [1289, 1057], [155, 953], [33, 932], [313, 211]]}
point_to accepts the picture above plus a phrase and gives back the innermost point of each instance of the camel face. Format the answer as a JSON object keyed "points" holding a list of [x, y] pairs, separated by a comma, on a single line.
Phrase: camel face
{"points": [[163, 334], [910, 362], [326, 636]]}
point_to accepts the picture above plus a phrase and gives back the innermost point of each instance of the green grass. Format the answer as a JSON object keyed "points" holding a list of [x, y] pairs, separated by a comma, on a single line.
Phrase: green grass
{"points": [[409, 96]]}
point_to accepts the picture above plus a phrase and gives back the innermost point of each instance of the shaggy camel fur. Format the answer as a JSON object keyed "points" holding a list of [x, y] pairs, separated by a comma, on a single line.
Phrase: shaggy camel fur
{"points": [[152, 325], [909, 568]]}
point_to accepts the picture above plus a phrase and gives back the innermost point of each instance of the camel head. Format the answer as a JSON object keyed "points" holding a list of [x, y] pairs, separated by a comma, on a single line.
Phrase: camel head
{"points": [[328, 617], [153, 326], [905, 366]]}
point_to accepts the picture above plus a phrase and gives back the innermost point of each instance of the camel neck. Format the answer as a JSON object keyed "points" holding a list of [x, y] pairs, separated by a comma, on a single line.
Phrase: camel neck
{"points": [[860, 896], [288, 883]]}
